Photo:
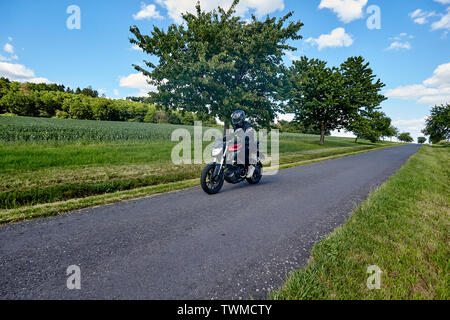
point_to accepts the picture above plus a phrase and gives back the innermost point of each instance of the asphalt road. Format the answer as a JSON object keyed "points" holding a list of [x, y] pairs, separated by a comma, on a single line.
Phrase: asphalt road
{"points": [[239, 243]]}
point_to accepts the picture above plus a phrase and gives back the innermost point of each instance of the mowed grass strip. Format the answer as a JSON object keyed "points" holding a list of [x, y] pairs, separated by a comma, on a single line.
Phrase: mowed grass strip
{"points": [[403, 228], [59, 177], [55, 208], [63, 191], [51, 160]]}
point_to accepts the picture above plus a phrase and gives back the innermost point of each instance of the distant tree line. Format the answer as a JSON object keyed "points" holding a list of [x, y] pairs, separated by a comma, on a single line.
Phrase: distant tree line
{"points": [[52, 100], [296, 126]]}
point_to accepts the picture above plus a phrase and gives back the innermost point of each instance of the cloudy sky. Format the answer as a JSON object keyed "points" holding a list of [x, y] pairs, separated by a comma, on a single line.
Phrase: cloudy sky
{"points": [[407, 44]]}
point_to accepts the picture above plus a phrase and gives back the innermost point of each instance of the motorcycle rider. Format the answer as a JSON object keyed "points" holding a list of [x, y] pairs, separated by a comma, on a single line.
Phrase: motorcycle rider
{"points": [[239, 122]]}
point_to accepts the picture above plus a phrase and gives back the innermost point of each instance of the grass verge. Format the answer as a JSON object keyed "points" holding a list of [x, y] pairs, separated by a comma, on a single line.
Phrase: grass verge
{"points": [[403, 228], [52, 209], [60, 207]]}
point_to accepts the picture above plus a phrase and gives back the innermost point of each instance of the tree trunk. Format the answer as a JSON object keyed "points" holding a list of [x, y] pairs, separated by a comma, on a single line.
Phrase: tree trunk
{"points": [[356, 140], [322, 134]]}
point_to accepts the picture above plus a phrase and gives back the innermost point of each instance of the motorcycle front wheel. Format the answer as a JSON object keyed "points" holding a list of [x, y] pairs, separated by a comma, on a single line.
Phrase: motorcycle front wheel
{"points": [[209, 185]]}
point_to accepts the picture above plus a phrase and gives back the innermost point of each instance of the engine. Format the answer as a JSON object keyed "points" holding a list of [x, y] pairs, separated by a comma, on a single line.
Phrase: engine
{"points": [[234, 174]]}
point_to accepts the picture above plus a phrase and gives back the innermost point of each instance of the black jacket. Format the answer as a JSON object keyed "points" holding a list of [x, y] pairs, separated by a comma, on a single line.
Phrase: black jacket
{"points": [[245, 126]]}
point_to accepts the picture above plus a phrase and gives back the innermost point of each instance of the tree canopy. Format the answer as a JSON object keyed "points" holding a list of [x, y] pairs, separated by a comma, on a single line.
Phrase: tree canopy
{"points": [[216, 63], [371, 126], [333, 98], [405, 137], [437, 125]]}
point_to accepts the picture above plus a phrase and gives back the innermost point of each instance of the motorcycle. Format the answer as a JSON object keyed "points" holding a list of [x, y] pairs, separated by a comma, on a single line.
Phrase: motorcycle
{"points": [[227, 167]]}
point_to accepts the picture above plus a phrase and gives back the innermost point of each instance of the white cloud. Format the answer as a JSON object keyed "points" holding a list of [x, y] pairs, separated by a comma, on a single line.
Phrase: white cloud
{"points": [[413, 126], [291, 55], [397, 45], [443, 23], [136, 47], [18, 72], [342, 134], [137, 81], [435, 90], [261, 7], [410, 92], [409, 122], [337, 38], [415, 13], [401, 37], [8, 48], [147, 12], [116, 92], [12, 57], [346, 10], [10, 39], [421, 17], [286, 117], [440, 78], [443, 1], [38, 80], [435, 100]]}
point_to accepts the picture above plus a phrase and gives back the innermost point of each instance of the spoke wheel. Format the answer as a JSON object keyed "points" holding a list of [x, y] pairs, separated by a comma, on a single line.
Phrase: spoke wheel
{"points": [[210, 185], [257, 175]]}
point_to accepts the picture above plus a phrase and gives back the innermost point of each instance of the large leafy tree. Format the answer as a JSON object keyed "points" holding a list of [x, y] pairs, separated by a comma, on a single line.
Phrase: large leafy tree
{"points": [[362, 94], [392, 132], [316, 95], [421, 140], [333, 98], [362, 91], [405, 137], [371, 127], [215, 63], [437, 125]]}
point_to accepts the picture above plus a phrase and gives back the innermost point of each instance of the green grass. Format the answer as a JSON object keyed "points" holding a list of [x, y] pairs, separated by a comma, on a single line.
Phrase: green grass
{"points": [[53, 160], [403, 228], [17, 129], [50, 209]]}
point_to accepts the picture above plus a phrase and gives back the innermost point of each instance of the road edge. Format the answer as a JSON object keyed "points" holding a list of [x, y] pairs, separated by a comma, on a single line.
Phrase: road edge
{"points": [[22, 214]]}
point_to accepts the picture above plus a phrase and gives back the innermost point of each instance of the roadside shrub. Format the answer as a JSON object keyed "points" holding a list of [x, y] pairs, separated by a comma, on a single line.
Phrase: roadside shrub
{"points": [[174, 118], [77, 109], [150, 115], [188, 119], [161, 116], [18, 103]]}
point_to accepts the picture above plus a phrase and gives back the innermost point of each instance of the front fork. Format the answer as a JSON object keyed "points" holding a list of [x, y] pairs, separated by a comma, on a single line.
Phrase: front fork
{"points": [[219, 166]]}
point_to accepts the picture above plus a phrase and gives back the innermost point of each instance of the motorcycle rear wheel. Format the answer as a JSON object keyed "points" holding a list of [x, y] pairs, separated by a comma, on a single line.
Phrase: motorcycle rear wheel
{"points": [[208, 185], [257, 175]]}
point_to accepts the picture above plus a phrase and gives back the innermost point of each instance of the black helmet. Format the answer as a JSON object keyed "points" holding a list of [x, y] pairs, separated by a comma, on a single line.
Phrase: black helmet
{"points": [[238, 118]]}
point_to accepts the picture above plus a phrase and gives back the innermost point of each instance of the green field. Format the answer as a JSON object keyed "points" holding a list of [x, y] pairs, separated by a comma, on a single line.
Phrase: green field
{"points": [[50, 160], [403, 228]]}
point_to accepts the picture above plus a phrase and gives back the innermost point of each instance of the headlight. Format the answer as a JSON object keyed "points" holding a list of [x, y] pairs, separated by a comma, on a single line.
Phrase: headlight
{"points": [[216, 151]]}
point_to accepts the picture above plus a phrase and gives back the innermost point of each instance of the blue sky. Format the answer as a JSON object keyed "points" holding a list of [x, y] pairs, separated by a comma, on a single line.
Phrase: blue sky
{"points": [[410, 52]]}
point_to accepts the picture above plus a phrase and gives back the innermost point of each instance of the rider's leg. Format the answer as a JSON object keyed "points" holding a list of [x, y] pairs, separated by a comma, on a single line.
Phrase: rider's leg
{"points": [[252, 165]]}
